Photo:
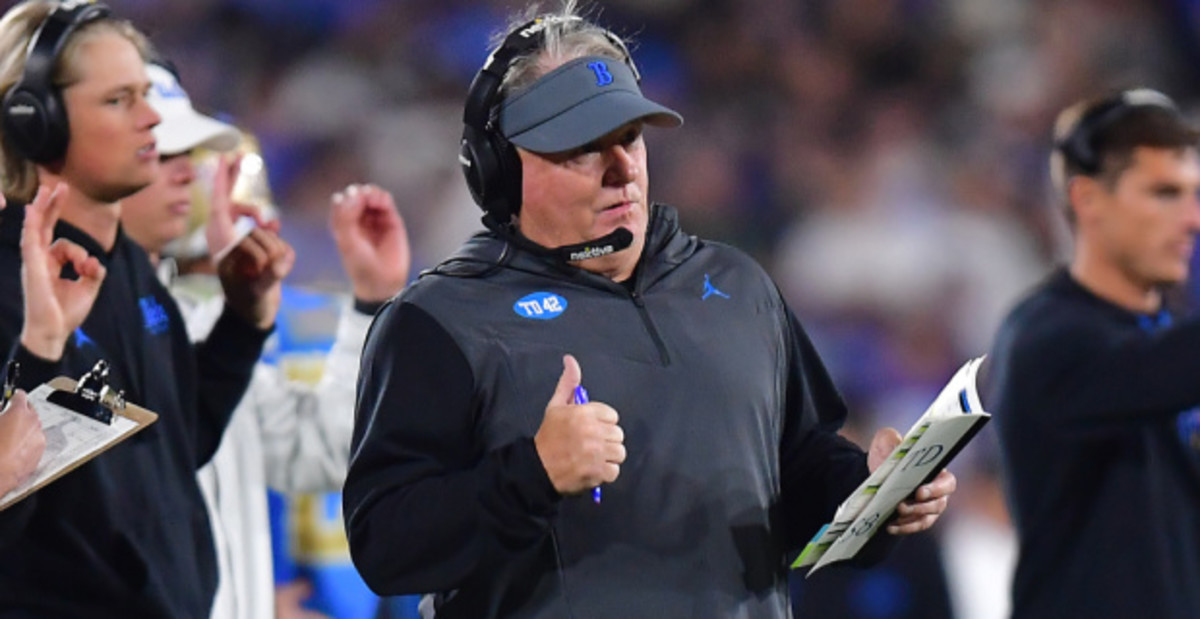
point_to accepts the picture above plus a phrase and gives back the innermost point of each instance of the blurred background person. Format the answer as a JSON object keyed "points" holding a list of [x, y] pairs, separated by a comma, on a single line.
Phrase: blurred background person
{"points": [[1093, 375], [285, 434]]}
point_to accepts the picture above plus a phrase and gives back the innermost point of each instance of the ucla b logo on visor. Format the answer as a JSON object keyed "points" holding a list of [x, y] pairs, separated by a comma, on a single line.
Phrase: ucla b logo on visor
{"points": [[540, 306], [603, 77]]}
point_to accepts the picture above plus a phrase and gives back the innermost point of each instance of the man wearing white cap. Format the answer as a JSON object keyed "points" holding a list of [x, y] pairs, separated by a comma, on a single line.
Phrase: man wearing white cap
{"points": [[160, 213], [285, 434]]}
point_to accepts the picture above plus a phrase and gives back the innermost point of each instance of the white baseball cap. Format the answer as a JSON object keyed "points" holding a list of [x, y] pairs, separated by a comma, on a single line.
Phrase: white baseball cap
{"points": [[183, 128]]}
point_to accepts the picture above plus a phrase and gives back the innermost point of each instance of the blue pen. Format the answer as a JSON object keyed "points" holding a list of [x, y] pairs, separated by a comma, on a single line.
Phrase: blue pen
{"points": [[581, 397]]}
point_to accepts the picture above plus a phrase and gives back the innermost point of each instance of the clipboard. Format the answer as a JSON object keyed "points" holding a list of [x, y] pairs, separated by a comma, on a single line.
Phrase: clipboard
{"points": [[81, 420], [949, 423]]}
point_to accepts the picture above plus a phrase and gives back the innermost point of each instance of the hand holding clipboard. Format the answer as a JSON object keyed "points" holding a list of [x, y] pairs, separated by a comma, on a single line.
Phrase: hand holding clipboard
{"points": [[80, 421], [22, 441]]}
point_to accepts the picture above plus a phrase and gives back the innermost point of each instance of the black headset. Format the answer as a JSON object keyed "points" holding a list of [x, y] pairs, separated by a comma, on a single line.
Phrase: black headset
{"points": [[488, 160], [1079, 146], [35, 119]]}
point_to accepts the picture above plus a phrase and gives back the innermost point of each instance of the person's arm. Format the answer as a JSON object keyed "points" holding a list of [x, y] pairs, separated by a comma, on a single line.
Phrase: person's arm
{"points": [[251, 269], [306, 431], [21, 442], [225, 363], [1091, 377], [425, 505], [14, 519], [819, 468]]}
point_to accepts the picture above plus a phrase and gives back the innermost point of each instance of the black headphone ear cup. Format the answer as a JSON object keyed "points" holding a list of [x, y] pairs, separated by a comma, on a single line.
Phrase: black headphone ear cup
{"points": [[472, 167], [508, 181], [1085, 156], [35, 124], [1078, 150], [482, 168], [493, 172]]}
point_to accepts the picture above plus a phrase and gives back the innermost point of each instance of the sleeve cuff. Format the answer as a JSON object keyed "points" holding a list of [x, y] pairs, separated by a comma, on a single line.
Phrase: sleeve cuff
{"points": [[238, 339], [518, 495], [352, 330], [34, 370], [370, 308], [536, 490]]}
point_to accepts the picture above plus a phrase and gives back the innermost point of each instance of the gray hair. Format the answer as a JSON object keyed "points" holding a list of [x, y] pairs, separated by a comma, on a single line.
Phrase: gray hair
{"points": [[567, 35]]}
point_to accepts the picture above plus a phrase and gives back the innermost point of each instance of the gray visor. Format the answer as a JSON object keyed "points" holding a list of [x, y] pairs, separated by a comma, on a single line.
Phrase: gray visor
{"points": [[576, 103]]}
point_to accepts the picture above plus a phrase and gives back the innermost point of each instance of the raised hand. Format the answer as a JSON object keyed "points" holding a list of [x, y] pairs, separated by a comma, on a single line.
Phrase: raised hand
{"points": [[54, 307], [21, 442], [926, 504], [252, 275], [372, 241], [581, 445], [222, 230]]}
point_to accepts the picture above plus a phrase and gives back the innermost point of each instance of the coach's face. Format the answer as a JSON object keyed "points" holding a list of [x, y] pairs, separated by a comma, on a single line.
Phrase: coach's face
{"points": [[1146, 224], [111, 151], [586, 193]]}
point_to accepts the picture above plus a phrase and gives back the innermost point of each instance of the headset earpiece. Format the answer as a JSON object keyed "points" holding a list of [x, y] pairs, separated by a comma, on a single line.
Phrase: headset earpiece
{"points": [[489, 163], [34, 117]]}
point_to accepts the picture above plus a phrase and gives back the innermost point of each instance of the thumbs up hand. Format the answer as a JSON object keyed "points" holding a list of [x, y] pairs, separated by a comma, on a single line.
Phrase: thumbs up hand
{"points": [[581, 445]]}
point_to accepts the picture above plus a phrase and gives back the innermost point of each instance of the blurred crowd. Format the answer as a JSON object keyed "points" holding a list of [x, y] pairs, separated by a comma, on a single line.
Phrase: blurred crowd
{"points": [[884, 159]]}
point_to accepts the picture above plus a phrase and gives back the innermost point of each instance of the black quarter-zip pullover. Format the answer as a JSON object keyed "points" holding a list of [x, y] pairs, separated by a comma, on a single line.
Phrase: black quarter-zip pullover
{"points": [[729, 419]]}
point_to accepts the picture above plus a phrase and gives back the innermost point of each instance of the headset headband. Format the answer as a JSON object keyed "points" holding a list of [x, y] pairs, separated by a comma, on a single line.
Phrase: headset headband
{"points": [[1079, 145], [51, 37]]}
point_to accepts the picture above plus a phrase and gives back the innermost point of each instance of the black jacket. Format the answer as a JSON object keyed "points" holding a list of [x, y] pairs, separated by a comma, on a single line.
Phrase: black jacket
{"points": [[125, 535], [729, 420], [1105, 495]]}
